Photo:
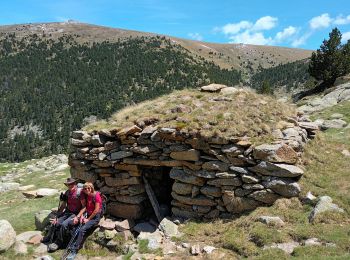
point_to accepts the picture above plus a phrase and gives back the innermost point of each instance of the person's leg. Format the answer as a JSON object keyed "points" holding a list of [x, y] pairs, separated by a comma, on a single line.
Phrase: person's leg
{"points": [[84, 229], [64, 235], [57, 236]]}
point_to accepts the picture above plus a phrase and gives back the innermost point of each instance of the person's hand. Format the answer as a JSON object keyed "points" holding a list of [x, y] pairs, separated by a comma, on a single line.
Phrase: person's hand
{"points": [[53, 221], [85, 220], [75, 220]]}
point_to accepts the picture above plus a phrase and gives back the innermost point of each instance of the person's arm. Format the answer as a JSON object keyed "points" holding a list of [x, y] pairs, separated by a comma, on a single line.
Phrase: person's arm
{"points": [[96, 210], [81, 212]]}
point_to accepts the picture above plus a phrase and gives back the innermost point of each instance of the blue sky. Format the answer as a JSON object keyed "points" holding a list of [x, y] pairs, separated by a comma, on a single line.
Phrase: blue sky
{"points": [[294, 23]]}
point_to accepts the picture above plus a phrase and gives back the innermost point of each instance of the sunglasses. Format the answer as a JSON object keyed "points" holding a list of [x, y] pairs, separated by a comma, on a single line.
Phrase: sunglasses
{"points": [[88, 188]]}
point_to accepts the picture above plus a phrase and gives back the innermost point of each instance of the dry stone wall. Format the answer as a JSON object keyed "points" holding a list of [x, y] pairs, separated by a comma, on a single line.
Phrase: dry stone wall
{"points": [[213, 177]]}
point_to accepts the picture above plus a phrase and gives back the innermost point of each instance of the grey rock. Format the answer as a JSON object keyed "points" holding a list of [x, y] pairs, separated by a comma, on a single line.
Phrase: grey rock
{"points": [[255, 186], [213, 87], [26, 236], [182, 176], [238, 170], [324, 204], [286, 247], [96, 141], [42, 219], [337, 116], [119, 155], [278, 170], [271, 221], [196, 249], [154, 239], [46, 257], [225, 175], [250, 178], [20, 248], [286, 188], [208, 249], [169, 228], [45, 192], [312, 242], [310, 199], [7, 235], [215, 166], [211, 191], [182, 188], [41, 249], [333, 123], [278, 153], [8, 186], [265, 196]]}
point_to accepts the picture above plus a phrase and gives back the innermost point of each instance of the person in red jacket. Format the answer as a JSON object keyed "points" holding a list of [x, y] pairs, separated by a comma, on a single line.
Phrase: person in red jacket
{"points": [[66, 215], [92, 205]]}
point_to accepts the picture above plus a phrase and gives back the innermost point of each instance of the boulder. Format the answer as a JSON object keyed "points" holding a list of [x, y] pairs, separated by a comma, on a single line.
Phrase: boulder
{"points": [[208, 249], [196, 249], [286, 247], [26, 236], [41, 249], [107, 224], [8, 186], [334, 123], [144, 227], [312, 242], [20, 248], [7, 235], [324, 204], [228, 90], [42, 219], [278, 153], [278, 170], [213, 87], [271, 221], [45, 192], [126, 224], [169, 228]]}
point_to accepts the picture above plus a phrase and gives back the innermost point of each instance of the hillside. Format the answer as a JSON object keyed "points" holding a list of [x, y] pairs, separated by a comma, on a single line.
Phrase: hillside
{"points": [[56, 77], [244, 57]]}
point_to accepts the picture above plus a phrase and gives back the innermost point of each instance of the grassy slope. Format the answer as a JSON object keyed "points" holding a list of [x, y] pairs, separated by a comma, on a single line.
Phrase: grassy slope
{"points": [[326, 173], [225, 55]]}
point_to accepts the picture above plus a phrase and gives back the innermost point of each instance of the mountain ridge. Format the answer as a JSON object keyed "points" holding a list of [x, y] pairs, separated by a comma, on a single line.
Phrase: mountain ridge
{"points": [[244, 57]]}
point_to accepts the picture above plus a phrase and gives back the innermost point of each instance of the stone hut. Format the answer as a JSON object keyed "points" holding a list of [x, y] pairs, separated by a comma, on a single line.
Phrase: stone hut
{"points": [[194, 154]]}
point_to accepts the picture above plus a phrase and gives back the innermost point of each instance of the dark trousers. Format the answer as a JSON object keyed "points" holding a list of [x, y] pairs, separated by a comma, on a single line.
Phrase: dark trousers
{"points": [[64, 223], [87, 227]]}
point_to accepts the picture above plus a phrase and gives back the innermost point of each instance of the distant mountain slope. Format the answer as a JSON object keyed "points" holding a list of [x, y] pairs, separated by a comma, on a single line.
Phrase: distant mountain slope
{"points": [[243, 57], [48, 87], [291, 75]]}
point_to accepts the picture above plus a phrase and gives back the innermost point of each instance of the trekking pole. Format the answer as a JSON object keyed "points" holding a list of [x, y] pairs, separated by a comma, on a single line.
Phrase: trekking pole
{"points": [[72, 241]]}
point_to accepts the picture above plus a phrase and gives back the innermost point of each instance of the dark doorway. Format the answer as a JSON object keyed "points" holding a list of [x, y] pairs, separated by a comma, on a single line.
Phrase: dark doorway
{"points": [[161, 184]]}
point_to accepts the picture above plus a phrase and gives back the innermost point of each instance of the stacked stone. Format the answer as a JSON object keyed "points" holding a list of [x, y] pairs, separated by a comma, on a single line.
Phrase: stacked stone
{"points": [[213, 176]]}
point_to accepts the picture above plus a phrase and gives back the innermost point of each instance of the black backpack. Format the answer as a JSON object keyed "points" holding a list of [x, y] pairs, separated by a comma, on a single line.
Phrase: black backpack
{"points": [[104, 202]]}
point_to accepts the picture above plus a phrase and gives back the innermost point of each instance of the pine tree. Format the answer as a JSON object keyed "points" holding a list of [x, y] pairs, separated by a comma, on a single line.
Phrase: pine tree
{"points": [[331, 60]]}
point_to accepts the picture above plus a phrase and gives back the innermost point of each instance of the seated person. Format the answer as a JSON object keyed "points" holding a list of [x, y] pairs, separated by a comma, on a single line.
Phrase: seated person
{"points": [[66, 216], [92, 205]]}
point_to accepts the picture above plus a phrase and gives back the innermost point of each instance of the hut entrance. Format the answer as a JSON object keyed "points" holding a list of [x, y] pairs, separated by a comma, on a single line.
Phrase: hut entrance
{"points": [[158, 179]]}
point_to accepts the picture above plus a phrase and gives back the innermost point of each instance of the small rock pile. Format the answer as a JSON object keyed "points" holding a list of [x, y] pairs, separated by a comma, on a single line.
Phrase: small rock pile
{"points": [[213, 176]]}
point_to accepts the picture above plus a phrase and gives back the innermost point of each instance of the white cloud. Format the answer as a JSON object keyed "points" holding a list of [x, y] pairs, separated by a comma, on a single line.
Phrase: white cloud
{"points": [[251, 38], [322, 21], [301, 40], [286, 34], [345, 37], [341, 20], [196, 36], [233, 28], [265, 23]]}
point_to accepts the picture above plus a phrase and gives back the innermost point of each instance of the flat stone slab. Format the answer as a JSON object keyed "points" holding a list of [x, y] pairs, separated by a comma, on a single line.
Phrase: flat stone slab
{"points": [[26, 236]]}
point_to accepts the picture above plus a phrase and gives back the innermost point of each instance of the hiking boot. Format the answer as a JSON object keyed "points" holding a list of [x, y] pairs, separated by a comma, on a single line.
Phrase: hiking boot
{"points": [[45, 239], [53, 247]]}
